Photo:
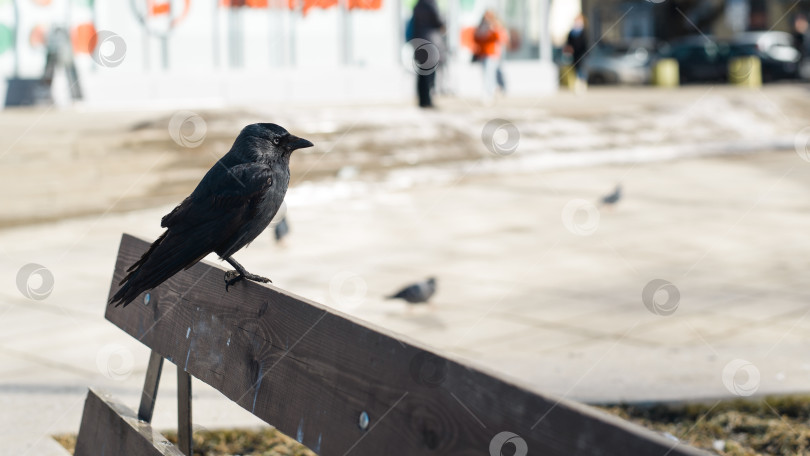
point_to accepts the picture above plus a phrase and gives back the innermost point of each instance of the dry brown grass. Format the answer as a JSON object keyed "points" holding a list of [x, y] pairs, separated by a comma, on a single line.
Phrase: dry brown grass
{"points": [[264, 442], [767, 426]]}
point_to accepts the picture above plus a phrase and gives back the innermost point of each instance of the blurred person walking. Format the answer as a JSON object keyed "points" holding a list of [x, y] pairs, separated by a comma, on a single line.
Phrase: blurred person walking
{"points": [[60, 55], [429, 26], [800, 27], [577, 46], [490, 38]]}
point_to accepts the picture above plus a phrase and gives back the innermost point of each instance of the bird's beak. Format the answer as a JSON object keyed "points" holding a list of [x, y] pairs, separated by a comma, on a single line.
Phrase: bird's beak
{"points": [[294, 143]]}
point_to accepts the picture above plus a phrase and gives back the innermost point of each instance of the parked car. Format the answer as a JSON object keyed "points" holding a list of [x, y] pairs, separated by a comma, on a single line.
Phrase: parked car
{"points": [[700, 59], [625, 63], [780, 60]]}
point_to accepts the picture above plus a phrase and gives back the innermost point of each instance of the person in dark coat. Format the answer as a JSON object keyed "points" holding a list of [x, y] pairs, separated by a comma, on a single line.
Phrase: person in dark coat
{"points": [[577, 46], [800, 27], [429, 26], [60, 54]]}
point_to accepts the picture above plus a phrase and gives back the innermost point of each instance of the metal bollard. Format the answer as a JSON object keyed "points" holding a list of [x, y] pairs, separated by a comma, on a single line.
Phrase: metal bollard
{"points": [[568, 76], [665, 73], [745, 72]]}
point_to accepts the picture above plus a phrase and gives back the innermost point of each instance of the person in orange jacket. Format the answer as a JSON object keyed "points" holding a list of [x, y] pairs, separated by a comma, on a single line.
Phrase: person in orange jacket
{"points": [[490, 38]]}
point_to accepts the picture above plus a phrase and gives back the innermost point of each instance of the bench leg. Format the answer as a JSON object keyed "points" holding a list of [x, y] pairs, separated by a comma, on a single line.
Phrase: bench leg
{"points": [[150, 387], [184, 411]]}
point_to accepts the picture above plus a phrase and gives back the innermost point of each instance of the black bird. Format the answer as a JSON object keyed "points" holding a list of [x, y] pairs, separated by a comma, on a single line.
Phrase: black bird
{"points": [[418, 292], [613, 198], [282, 229], [233, 203]]}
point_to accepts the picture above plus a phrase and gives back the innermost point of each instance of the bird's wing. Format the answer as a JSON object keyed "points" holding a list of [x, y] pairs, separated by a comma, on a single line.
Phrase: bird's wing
{"points": [[408, 293], [227, 195], [198, 226]]}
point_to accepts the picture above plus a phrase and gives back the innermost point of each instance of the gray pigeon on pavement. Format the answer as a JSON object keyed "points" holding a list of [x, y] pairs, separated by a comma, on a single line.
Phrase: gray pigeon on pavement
{"points": [[417, 293], [613, 198], [281, 230]]}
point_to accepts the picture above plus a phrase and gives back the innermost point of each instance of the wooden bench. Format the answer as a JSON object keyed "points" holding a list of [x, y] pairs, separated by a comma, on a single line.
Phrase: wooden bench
{"points": [[335, 383]]}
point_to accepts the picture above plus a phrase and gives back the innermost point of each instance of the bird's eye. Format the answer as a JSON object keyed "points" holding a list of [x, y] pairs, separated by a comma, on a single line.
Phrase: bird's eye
{"points": [[276, 141]]}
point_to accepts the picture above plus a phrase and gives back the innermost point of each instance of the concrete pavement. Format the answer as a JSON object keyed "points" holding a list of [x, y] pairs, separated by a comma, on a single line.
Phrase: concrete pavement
{"points": [[90, 162]]}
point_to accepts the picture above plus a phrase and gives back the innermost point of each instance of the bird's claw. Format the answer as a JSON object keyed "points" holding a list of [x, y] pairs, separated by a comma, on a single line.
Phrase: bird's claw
{"points": [[231, 277]]}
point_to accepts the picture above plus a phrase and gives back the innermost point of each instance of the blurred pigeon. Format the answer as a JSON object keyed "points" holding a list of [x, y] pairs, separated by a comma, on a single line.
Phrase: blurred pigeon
{"points": [[613, 198], [282, 229], [417, 293]]}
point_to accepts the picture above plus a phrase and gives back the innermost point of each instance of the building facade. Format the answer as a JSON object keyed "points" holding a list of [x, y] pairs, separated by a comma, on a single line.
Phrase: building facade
{"points": [[131, 52]]}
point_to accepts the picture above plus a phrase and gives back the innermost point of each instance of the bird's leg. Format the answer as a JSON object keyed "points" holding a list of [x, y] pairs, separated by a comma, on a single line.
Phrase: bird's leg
{"points": [[231, 277]]}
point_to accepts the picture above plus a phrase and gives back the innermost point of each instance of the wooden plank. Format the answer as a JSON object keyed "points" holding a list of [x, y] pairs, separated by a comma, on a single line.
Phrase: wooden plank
{"points": [[109, 428], [150, 387], [313, 372], [184, 412]]}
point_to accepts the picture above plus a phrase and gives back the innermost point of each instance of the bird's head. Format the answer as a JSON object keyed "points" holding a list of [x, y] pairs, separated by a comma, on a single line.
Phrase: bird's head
{"points": [[273, 139], [431, 281]]}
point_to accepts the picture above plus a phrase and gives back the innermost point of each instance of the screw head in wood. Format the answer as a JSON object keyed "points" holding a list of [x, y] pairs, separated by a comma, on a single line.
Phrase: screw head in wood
{"points": [[363, 420]]}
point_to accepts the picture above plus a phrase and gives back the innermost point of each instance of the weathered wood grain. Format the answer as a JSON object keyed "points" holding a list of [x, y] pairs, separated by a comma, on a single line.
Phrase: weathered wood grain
{"points": [[311, 371], [111, 429]]}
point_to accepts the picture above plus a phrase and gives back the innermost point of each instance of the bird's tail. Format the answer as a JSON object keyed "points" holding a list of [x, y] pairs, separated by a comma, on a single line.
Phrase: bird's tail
{"points": [[165, 258], [401, 294], [398, 295]]}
